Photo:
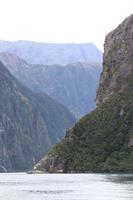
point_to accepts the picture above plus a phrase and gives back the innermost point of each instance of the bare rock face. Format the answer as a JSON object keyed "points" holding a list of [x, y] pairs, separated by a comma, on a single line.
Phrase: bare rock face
{"points": [[49, 164], [118, 60]]}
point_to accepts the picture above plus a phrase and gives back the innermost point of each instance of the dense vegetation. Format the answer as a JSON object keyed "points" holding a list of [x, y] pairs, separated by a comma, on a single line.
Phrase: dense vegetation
{"points": [[102, 140]]}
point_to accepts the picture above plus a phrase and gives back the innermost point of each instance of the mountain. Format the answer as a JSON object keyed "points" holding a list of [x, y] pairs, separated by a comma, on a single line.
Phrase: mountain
{"points": [[102, 141], [73, 85], [4, 45], [50, 53], [30, 123]]}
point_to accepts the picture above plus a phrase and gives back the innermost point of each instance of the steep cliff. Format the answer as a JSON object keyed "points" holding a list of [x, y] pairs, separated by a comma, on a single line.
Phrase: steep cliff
{"points": [[73, 85], [118, 60], [103, 140], [30, 123]]}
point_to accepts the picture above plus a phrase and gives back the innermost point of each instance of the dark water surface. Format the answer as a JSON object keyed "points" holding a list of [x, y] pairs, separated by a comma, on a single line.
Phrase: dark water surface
{"points": [[21, 186]]}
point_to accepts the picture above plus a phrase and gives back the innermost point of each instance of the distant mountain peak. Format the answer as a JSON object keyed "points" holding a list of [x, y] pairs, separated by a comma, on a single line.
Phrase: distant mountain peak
{"points": [[52, 53], [68, 84]]}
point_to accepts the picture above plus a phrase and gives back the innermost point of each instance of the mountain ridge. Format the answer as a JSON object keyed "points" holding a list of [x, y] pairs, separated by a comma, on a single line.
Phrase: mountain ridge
{"points": [[29, 123], [73, 85], [50, 53]]}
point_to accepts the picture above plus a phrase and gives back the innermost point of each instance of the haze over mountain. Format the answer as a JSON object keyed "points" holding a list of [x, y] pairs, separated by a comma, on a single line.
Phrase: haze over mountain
{"points": [[73, 85], [102, 141], [30, 123], [50, 53]]}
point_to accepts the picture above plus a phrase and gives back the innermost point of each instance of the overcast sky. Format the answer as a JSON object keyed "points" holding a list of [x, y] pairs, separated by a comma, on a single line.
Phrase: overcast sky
{"points": [[78, 21]]}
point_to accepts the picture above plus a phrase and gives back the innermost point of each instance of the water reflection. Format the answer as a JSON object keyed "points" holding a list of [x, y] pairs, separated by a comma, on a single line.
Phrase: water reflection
{"points": [[49, 191], [120, 178]]}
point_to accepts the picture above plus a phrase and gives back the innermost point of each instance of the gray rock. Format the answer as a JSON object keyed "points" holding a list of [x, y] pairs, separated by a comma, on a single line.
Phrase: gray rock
{"points": [[73, 85], [118, 59], [30, 123]]}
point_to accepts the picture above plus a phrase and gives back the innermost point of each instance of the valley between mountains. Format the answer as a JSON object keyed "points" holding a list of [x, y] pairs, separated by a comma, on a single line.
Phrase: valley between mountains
{"points": [[39, 102], [102, 141], [61, 111]]}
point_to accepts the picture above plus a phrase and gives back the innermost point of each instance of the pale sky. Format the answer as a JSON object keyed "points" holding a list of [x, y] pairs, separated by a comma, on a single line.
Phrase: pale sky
{"points": [[61, 21]]}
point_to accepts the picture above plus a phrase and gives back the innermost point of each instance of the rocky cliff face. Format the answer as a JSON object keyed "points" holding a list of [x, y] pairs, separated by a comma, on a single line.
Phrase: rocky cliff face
{"points": [[103, 140], [73, 85], [118, 59], [30, 123]]}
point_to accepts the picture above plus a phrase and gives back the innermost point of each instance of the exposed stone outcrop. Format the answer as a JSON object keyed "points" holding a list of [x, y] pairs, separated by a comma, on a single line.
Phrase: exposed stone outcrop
{"points": [[117, 61], [49, 164]]}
